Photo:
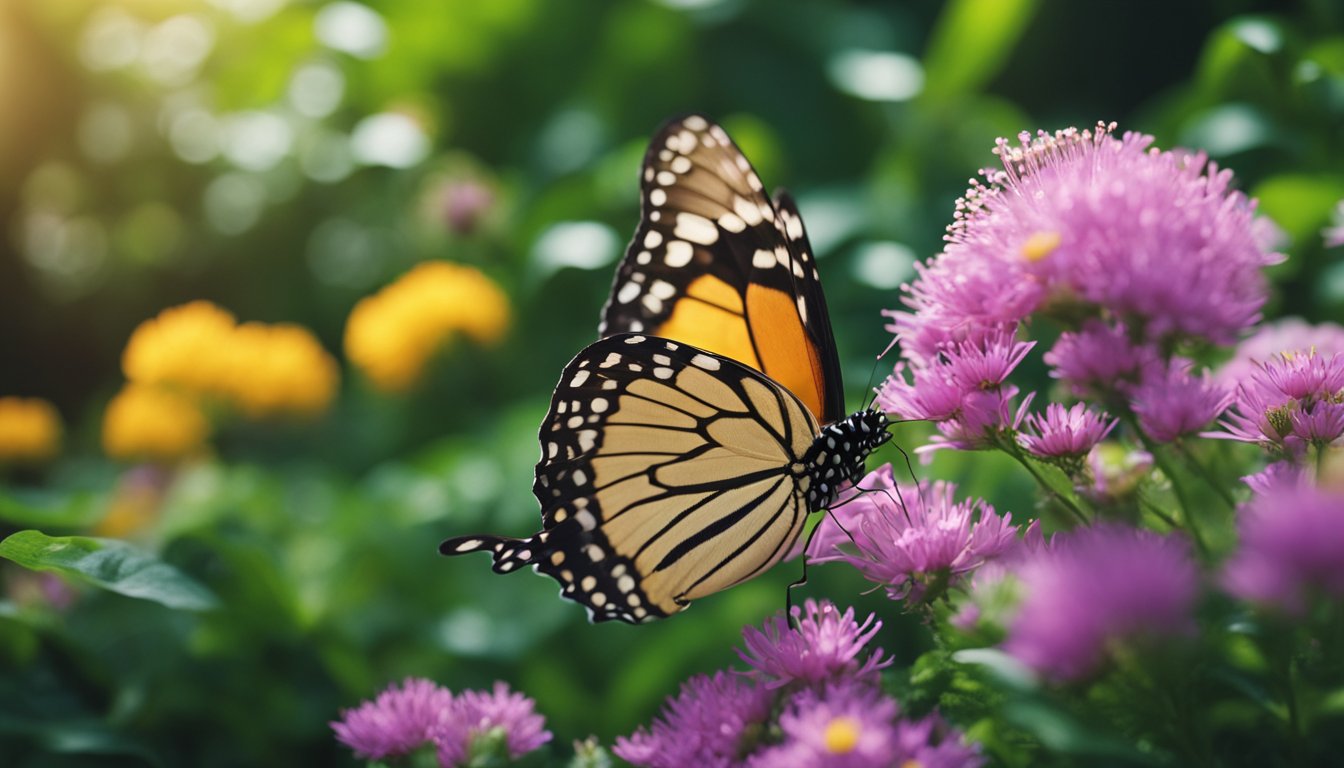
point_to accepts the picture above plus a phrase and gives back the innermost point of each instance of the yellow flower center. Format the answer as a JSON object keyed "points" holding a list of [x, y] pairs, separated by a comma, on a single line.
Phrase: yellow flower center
{"points": [[1039, 245], [912, 764], [842, 735]]}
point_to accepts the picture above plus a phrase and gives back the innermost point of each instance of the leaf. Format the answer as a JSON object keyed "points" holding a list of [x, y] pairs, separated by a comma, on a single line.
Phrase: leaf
{"points": [[110, 564], [1006, 669], [31, 508], [971, 43]]}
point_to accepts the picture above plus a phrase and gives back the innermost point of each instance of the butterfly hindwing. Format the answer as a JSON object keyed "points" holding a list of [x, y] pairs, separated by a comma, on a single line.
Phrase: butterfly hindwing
{"points": [[667, 473], [717, 264]]}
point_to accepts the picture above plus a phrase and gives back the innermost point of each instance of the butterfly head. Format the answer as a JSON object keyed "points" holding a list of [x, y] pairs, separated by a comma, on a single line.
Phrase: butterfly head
{"points": [[840, 451]]}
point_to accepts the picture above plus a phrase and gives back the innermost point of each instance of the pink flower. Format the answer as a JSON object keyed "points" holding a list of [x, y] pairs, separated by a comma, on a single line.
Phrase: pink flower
{"points": [[1290, 403], [826, 645], [395, 723], [962, 392], [477, 714], [1334, 234], [709, 723], [1100, 359], [1094, 588], [910, 539], [1292, 546], [1172, 403], [1064, 433], [1272, 340]]}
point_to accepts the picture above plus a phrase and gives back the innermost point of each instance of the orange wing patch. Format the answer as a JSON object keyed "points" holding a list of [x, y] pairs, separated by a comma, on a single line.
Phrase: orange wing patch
{"points": [[709, 316], [782, 341]]}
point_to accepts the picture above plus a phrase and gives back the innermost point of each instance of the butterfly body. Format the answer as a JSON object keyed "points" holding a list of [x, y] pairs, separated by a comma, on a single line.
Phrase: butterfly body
{"points": [[683, 451]]}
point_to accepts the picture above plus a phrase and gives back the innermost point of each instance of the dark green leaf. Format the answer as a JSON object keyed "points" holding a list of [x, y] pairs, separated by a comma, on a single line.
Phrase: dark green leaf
{"points": [[110, 564]]}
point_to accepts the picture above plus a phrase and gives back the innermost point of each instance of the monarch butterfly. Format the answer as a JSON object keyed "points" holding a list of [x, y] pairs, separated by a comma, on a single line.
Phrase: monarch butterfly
{"points": [[684, 450]]}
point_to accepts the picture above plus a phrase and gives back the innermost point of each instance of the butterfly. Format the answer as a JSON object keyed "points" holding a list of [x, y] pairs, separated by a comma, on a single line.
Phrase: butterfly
{"points": [[684, 450]]}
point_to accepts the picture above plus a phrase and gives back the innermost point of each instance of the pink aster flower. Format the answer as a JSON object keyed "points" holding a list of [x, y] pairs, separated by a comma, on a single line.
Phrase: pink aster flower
{"points": [[1064, 433], [1173, 402], [1094, 588], [847, 725], [911, 540], [710, 723], [1100, 359], [1290, 403], [499, 713], [963, 391], [397, 722], [931, 743], [1272, 340], [1292, 547], [1124, 227], [1279, 474], [826, 645]]}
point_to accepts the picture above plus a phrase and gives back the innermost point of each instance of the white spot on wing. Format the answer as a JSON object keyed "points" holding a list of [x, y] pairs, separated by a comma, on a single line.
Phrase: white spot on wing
{"points": [[662, 373], [762, 259], [653, 239], [663, 289], [747, 210], [627, 293], [681, 164], [658, 197], [706, 362], [696, 228], [679, 253], [578, 379], [732, 222]]}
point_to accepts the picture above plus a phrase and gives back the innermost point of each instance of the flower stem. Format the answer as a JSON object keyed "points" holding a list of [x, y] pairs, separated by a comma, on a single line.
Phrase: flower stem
{"points": [[1067, 502], [1158, 513], [1206, 475], [1187, 515]]}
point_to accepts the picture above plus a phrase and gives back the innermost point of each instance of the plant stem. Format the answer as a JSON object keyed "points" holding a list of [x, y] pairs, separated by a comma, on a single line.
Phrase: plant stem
{"points": [[1190, 526], [1158, 513], [1068, 503], [1206, 475]]}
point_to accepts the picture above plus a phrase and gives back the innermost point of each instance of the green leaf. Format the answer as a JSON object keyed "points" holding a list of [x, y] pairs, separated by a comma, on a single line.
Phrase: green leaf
{"points": [[50, 509], [971, 43], [110, 564], [1300, 203]]}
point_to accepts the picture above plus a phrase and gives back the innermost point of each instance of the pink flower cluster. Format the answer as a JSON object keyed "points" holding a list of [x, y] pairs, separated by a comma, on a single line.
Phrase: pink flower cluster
{"points": [[914, 541], [419, 713], [810, 683], [1131, 249]]}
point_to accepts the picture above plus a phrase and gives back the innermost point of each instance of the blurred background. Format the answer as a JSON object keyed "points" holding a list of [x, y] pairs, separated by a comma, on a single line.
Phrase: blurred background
{"points": [[287, 160]]}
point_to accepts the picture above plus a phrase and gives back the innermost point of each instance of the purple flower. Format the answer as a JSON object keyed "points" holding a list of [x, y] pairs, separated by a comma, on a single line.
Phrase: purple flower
{"points": [[1173, 403], [1291, 402], [1100, 359], [1094, 588], [1272, 340], [501, 712], [1124, 227], [711, 722], [1064, 433], [1292, 547], [931, 743], [1277, 474], [912, 540], [395, 723], [826, 645], [848, 725], [962, 391]]}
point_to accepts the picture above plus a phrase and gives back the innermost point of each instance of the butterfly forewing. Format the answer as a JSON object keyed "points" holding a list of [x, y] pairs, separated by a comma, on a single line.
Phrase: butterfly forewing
{"points": [[667, 473], [717, 264]]}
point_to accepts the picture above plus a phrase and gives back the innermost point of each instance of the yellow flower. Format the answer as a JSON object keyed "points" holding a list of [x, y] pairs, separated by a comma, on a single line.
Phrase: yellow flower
{"points": [[145, 422], [393, 334], [279, 369], [182, 347], [30, 430], [262, 370]]}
